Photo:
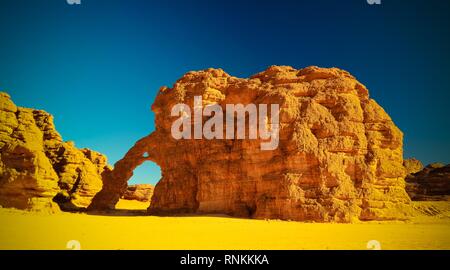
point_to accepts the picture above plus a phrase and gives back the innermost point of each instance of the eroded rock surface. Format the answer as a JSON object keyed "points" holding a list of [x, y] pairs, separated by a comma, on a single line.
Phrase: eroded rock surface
{"points": [[140, 192], [430, 184], [339, 157], [38, 171], [412, 165]]}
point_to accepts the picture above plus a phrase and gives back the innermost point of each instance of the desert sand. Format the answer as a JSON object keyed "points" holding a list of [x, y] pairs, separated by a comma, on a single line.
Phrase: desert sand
{"points": [[132, 229]]}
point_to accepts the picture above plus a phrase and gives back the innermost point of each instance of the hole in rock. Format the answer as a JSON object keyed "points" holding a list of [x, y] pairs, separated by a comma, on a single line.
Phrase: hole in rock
{"points": [[140, 187]]}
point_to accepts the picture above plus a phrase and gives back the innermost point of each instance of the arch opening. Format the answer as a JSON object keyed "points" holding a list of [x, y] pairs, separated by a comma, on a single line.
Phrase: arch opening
{"points": [[115, 181], [140, 187]]}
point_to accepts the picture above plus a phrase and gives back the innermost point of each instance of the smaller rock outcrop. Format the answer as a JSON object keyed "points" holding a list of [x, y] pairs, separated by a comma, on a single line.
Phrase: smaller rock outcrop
{"points": [[38, 170], [430, 184], [140, 192], [412, 165]]}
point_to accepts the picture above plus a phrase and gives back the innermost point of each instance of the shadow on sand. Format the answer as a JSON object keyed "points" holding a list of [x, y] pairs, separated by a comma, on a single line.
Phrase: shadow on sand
{"points": [[119, 212], [143, 212]]}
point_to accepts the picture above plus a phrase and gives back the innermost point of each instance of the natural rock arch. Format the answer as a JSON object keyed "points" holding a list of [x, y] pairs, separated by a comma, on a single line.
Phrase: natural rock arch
{"points": [[115, 181], [339, 157]]}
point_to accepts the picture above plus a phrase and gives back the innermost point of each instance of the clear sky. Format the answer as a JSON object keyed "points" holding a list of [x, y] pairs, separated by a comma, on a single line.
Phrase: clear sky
{"points": [[98, 66]]}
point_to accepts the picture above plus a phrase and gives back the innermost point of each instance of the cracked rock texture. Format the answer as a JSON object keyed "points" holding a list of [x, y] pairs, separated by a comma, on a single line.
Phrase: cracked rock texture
{"points": [[339, 157], [38, 171]]}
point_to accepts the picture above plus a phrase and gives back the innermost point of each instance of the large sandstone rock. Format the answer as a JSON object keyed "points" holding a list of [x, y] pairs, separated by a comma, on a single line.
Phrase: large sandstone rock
{"points": [[37, 168], [339, 157], [140, 192], [430, 184]]}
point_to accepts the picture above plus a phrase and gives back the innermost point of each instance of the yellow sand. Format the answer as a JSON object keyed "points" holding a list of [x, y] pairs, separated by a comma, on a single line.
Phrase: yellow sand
{"points": [[119, 230]]}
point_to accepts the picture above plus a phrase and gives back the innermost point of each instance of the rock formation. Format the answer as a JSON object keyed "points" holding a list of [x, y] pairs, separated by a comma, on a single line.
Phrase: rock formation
{"points": [[339, 156], [37, 168], [430, 184], [140, 192], [412, 165]]}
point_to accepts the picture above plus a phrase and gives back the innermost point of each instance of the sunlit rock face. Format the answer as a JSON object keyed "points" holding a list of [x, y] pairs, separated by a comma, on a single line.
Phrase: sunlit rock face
{"points": [[412, 166], [139, 192], [38, 171], [339, 157]]}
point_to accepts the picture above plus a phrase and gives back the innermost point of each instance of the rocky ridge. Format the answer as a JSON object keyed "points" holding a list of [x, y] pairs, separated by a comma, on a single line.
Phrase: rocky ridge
{"points": [[38, 170], [432, 183]]}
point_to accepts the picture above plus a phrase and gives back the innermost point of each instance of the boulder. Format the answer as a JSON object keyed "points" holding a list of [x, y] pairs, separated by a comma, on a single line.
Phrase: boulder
{"points": [[140, 192]]}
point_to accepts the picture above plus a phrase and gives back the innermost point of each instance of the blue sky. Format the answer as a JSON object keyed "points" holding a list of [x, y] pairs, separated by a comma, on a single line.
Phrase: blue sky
{"points": [[98, 66]]}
